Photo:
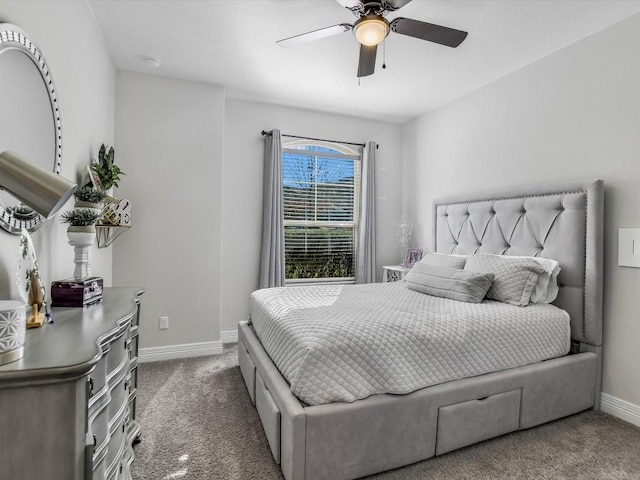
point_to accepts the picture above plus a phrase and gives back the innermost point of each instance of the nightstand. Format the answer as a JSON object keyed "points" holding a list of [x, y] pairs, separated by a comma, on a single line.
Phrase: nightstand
{"points": [[394, 273]]}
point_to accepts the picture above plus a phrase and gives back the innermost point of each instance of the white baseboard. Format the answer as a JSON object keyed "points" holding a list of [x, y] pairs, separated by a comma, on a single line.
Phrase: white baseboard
{"points": [[627, 411], [170, 352], [229, 336]]}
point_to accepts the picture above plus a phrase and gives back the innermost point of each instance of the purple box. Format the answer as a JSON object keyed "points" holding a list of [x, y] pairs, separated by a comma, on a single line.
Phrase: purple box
{"points": [[76, 292]]}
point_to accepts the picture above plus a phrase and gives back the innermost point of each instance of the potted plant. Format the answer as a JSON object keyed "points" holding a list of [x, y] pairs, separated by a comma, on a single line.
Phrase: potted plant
{"points": [[82, 224], [89, 198], [108, 172]]}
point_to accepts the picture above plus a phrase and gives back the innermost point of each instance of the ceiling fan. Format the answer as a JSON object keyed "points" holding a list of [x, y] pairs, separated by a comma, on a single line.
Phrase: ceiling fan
{"points": [[371, 28]]}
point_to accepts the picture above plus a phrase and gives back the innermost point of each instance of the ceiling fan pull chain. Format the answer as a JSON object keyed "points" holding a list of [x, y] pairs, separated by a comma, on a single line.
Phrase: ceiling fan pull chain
{"points": [[384, 53]]}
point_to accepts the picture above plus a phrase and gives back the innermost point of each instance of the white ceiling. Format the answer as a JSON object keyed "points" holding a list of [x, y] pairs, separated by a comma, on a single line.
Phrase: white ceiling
{"points": [[232, 43]]}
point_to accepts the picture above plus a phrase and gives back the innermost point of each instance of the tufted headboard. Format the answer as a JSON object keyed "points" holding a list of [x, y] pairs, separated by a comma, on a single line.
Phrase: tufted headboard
{"points": [[563, 222]]}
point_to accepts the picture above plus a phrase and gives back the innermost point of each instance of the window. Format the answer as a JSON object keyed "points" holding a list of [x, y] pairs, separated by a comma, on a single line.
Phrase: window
{"points": [[321, 189]]}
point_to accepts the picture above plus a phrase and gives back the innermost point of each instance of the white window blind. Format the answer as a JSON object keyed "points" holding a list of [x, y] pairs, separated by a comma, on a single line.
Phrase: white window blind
{"points": [[321, 188]]}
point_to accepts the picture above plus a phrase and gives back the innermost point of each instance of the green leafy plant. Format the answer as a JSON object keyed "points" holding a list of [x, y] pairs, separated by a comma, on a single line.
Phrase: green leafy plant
{"points": [[319, 266], [89, 194], [108, 172], [80, 217]]}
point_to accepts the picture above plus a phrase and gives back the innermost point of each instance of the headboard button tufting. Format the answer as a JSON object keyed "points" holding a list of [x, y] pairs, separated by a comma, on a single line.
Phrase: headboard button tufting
{"points": [[500, 219]]}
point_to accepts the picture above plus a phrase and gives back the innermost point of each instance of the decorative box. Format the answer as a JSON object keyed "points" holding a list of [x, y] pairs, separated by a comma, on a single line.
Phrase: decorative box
{"points": [[116, 211], [76, 292]]}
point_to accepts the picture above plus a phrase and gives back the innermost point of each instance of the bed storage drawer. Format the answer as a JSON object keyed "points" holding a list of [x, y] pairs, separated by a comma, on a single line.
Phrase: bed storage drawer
{"points": [[248, 370], [470, 422], [270, 416]]}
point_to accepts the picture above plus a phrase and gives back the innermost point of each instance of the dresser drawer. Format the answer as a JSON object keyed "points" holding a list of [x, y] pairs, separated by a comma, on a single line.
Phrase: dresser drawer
{"points": [[470, 422], [133, 349], [119, 396], [118, 351], [116, 446], [133, 380], [99, 430], [100, 469], [96, 381]]}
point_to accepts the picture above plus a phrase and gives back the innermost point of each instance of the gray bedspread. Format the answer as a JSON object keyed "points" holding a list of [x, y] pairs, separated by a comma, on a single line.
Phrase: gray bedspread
{"points": [[343, 343]]}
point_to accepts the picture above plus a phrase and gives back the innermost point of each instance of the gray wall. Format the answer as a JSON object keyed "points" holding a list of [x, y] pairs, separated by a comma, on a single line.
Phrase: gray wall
{"points": [[574, 115], [84, 78], [170, 142], [194, 177], [242, 198]]}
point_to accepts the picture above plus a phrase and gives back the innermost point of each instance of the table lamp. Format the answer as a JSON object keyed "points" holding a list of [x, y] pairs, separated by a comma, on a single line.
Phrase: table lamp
{"points": [[44, 191]]}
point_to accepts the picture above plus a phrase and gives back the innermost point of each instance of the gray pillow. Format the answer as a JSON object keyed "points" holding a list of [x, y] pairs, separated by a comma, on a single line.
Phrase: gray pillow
{"points": [[514, 277], [444, 260], [450, 283]]}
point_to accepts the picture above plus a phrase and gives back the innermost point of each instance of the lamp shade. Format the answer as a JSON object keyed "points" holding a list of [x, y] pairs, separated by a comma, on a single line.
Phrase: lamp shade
{"points": [[44, 191], [371, 30]]}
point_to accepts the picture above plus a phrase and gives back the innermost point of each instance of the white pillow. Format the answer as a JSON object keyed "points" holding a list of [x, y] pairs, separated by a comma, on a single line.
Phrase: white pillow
{"points": [[546, 288], [449, 260], [453, 283], [514, 278]]}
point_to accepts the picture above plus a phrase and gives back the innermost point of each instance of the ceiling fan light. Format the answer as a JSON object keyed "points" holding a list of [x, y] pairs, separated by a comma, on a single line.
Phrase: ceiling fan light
{"points": [[371, 31]]}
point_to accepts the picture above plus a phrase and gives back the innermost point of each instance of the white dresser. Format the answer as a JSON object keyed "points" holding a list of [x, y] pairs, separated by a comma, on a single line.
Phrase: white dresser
{"points": [[67, 408]]}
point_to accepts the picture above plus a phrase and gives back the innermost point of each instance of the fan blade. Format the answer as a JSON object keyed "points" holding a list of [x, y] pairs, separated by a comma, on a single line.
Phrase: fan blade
{"points": [[428, 31], [393, 5], [367, 63], [314, 35], [350, 4]]}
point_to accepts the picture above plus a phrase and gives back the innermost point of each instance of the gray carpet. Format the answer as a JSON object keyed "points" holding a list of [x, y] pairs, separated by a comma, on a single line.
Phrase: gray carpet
{"points": [[199, 423]]}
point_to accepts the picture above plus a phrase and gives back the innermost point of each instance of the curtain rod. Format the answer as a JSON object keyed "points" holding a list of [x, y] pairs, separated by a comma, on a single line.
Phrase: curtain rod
{"points": [[264, 132]]}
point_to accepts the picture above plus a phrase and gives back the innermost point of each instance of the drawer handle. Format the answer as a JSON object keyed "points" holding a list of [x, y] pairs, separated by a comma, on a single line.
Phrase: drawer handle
{"points": [[126, 385], [95, 441], [127, 344], [482, 399], [124, 425], [90, 386]]}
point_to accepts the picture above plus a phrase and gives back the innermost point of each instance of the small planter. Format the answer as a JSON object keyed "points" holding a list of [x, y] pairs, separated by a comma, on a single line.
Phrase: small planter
{"points": [[85, 234], [94, 207], [82, 234]]}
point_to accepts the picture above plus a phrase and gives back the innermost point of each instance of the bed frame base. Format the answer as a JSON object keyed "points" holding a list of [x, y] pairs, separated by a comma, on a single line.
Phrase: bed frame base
{"points": [[351, 440]]}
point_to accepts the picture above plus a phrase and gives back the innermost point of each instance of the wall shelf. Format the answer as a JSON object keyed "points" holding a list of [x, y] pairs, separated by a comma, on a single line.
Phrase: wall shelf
{"points": [[106, 234]]}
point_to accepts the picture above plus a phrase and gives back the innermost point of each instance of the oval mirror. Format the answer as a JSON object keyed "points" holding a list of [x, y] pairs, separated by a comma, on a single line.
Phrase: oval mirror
{"points": [[30, 119]]}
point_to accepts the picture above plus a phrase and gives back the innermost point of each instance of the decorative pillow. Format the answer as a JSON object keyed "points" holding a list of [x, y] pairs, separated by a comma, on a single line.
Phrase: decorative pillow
{"points": [[546, 289], [452, 283], [515, 278], [449, 260]]}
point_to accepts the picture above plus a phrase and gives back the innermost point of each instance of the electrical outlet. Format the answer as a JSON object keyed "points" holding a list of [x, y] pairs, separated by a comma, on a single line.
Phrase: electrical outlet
{"points": [[164, 323]]}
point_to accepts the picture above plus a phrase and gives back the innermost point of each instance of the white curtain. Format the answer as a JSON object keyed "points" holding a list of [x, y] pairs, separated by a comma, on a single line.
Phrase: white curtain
{"points": [[272, 255], [366, 260]]}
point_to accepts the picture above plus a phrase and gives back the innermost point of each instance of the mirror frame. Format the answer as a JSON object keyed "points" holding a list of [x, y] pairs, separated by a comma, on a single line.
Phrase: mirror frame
{"points": [[14, 38]]}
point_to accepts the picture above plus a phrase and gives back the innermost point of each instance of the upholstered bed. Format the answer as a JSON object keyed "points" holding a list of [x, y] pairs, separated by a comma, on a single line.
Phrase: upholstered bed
{"points": [[350, 439]]}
